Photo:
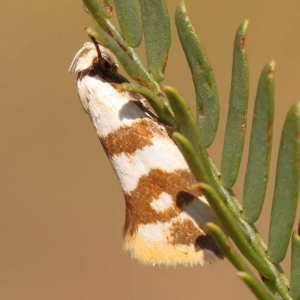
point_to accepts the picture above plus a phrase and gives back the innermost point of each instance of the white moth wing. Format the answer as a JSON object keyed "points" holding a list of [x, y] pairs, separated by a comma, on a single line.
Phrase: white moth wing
{"points": [[165, 218]]}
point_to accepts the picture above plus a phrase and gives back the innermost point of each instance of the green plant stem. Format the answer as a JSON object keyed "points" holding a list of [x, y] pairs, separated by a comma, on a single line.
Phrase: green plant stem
{"points": [[245, 235], [295, 269], [245, 273], [233, 229], [279, 284], [162, 109], [258, 290], [228, 210]]}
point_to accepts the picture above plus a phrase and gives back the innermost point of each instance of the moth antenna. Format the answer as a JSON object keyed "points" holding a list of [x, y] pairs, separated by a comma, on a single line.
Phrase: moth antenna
{"points": [[100, 57], [97, 48]]}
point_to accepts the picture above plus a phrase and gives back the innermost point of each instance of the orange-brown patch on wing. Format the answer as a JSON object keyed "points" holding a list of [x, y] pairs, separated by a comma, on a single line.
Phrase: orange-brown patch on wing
{"points": [[184, 232], [150, 186], [187, 233], [127, 140], [186, 242]]}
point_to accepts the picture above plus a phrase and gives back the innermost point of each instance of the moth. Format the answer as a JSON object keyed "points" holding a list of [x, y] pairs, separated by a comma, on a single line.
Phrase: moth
{"points": [[165, 218]]}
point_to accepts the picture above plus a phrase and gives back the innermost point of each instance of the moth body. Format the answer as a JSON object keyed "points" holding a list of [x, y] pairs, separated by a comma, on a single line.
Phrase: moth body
{"points": [[165, 219]]}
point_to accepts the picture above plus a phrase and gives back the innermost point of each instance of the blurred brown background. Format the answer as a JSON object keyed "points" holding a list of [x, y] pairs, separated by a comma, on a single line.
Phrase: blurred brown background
{"points": [[62, 210]]}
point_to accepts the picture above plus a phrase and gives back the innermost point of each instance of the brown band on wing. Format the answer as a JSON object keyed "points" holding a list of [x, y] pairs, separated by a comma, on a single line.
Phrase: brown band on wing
{"points": [[128, 140], [150, 187], [183, 231]]}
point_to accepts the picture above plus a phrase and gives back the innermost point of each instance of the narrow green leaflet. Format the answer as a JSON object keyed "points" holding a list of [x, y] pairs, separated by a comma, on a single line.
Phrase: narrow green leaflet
{"points": [[162, 110], [233, 228], [237, 112], [236, 232], [198, 168], [245, 273], [203, 77], [100, 7], [129, 16], [286, 191], [226, 246], [157, 35], [295, 265], [150, 17], [196, 165], [93, 8], [257, 172], [194, 152], [187, 127], [258, 289], [183, 116]]}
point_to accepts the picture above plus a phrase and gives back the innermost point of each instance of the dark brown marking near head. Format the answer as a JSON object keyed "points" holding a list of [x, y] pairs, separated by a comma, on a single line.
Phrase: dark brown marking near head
{"points": [[106, 74], [83, 73], [209, 247], [127, 140], [104, 65], [298, 135]]}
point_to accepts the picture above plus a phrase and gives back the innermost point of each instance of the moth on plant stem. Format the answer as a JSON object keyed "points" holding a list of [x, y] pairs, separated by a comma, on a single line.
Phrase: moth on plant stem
{"points": [[165, 218]]}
